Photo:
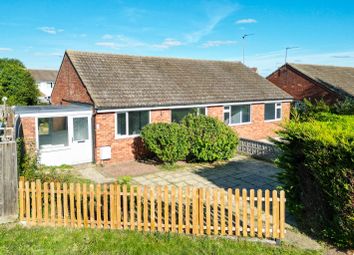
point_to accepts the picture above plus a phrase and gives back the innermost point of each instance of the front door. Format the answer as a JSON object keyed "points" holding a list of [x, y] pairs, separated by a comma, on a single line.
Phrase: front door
{"points": [[81, 139]]}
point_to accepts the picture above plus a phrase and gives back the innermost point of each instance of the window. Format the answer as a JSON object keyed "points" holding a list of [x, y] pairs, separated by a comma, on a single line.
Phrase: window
{"points": [[179, 114], [80, 126], [52, 132], [272, 111], [237, 114], [131, 123]]}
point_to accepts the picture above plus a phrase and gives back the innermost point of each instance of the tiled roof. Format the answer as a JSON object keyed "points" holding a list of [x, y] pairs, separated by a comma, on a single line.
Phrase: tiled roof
{"points": [[123, 81], [43, 75], [336, 78]]}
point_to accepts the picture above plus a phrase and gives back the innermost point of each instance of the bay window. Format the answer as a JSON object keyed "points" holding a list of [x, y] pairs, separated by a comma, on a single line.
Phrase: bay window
{"points": [[237, 114], [272, 111], [131, 123]]}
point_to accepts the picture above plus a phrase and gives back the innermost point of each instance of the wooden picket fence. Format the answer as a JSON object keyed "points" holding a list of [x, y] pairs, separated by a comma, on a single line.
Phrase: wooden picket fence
{"points": [[197, 211]]}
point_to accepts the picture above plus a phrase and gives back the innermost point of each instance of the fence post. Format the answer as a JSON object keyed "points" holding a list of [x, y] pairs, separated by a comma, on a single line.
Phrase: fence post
{"points": [[20, 191], [201, 211], [282, 214]]}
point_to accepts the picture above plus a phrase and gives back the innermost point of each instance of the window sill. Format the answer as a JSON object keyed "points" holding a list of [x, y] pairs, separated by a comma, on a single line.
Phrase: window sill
{"points": [[240, 124], [273, 120], [122, 137]]}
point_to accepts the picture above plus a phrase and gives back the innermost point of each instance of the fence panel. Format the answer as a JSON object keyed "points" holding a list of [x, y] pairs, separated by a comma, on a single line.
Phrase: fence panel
{"points": [[258, 149], [187, 210], [8, 182]]}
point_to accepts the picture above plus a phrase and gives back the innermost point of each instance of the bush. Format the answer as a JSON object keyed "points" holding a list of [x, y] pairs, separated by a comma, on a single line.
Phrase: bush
{"points": [[210, 138], [168, 141], [318, 162], [308, 110]]}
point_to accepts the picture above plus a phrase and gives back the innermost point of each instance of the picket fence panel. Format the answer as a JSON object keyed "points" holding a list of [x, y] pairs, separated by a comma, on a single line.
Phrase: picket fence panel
{"points": [[189, 210]]}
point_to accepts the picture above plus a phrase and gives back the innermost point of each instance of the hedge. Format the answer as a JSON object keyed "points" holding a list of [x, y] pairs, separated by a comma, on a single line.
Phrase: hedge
{"points": [[318, 161], [168, 141], [210, 138]]}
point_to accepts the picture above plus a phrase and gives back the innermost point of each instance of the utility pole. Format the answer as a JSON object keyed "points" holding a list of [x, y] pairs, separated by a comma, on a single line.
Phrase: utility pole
{"points": [[243, 46], [286, 51]]}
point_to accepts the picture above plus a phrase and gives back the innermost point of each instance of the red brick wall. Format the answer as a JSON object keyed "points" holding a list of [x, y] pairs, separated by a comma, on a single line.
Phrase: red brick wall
{"points": [[29, 132], [216, 112], [161, 116], [123, 149], [300, 87], [258, 128], [68, 86]]}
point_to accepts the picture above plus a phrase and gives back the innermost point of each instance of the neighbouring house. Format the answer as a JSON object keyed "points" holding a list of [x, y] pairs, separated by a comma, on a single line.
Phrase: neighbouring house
{"points": [[45, 80], [102, 101], [315, 82]]}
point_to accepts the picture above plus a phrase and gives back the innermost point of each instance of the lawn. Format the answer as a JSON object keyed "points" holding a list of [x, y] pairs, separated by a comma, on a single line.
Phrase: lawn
{"points": [[15, 239]]}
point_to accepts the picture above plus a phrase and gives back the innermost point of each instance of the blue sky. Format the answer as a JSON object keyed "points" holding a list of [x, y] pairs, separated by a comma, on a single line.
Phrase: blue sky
{"points": [[38, 32]]}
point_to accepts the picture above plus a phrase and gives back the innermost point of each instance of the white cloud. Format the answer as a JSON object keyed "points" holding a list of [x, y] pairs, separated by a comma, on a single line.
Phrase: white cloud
{"points": [[119, 41], [168, 43], [219, 14], [107, 36], [209, 44], [5, 49], [111, 45], [246, 21], [50, 30]]}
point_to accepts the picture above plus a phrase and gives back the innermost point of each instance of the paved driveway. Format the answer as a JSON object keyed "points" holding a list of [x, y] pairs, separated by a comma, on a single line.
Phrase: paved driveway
{"points": [[241, 172]]}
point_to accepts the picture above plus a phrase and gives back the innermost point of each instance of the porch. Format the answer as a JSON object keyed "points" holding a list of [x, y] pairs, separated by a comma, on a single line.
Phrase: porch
{"points": [[58, 134]]}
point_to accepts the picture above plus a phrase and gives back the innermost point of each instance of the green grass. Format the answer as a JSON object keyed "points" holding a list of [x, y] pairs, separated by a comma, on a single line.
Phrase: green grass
{"points": [[15, 239]]}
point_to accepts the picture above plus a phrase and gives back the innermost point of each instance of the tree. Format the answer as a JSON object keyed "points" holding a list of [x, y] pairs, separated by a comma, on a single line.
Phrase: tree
{"points": [[16, 83]]}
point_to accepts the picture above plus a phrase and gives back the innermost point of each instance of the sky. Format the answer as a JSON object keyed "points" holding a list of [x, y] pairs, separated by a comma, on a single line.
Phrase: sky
{"points": [[39, 32]]}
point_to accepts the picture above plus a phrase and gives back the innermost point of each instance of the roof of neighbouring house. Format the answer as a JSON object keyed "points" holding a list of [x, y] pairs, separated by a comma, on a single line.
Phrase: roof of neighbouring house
{"points": [[123, 81], [43, 75], [336, 78]]}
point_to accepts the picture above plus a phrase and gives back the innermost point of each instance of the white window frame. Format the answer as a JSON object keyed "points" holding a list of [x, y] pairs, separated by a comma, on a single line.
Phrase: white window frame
{"points": [[228, 110], [277, 105], [126, 124]]}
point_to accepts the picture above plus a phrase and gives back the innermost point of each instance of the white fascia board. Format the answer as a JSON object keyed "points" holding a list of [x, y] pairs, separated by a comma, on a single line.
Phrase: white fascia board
{"points": [[54, 114], [189, 106]]}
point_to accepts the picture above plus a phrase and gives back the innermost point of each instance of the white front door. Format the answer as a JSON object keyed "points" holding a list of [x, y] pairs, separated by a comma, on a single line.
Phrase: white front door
{"points": [[81, 139]]}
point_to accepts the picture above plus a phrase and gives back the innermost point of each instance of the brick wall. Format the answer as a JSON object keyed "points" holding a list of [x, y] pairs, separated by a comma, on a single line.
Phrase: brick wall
{"points": [[299, 86], [216, 112], [29, 132], [258, 128], [161, 116], [124, 149], [68, 86]]}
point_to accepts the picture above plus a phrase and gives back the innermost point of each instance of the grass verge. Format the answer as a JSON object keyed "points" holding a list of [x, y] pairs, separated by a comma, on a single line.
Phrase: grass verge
{"points": [[16, 239]]}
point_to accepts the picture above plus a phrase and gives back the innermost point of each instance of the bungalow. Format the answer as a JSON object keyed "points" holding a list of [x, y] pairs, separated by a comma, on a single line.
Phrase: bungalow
{"points": [[330, 83], [126, 93]]}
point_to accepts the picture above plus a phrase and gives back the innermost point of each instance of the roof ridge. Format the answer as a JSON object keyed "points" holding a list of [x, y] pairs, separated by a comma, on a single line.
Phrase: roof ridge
{"points": [[151, 57], [296, 64]]}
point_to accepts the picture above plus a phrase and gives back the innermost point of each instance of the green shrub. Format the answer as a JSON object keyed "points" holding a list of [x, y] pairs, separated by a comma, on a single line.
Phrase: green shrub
{"points": [[210, 138], [168, 141], [345, 107], [318, 162]]}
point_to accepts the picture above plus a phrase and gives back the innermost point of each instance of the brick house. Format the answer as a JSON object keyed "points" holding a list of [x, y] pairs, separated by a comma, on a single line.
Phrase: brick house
{"points": [[330, 83], [128, 92]]}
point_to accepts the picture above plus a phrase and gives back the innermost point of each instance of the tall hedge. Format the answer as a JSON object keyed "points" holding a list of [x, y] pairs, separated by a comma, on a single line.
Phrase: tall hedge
{"points": [[168, 141], [210, 138], [318, 162]]}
